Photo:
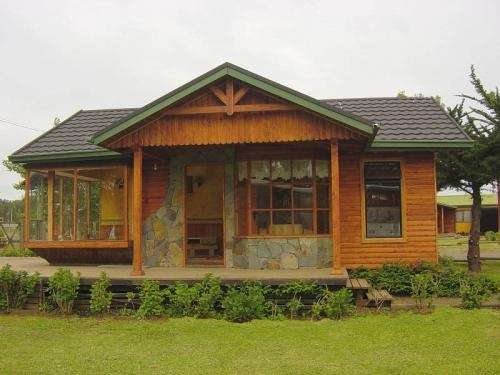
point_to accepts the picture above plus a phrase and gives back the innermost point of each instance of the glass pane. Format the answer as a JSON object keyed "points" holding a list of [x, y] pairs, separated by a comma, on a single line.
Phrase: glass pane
{"points": [[282, 217], [260, 196], [100, 212], [322, 196], [383, 199], [63, 228], [322, 171], [260, 172], [38, 206], [281, 170], [302, 197], [302, 171], [323, 222], [304, 219], [282, 196], [241, 199], [260, 222]]}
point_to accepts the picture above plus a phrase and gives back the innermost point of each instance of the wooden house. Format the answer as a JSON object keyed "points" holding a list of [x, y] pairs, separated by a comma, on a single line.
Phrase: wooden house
{"points": [[235, 170]]}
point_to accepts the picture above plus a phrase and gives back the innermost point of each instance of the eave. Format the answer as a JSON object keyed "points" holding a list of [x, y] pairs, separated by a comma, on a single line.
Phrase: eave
{"points": [[405, 145], [67, 156]]}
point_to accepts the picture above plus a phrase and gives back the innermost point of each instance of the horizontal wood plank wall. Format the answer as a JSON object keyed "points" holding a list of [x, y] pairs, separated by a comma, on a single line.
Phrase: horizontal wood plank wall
{"points": [[420, 188], [154, 188], [254, 127]]}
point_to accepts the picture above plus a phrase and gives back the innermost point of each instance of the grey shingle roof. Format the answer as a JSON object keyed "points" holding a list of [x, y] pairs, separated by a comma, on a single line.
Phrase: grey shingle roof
{"points": [[412, 119], [73, 134]]}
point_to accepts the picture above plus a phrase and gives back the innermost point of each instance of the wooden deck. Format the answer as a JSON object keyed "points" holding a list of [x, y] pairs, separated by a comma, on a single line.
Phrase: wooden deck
{"points": [[120, 274]]}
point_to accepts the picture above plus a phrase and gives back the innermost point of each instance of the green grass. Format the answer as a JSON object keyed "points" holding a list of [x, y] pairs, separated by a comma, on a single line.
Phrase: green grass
{"points": [[489, 268], [459, 245], [449, 341]]}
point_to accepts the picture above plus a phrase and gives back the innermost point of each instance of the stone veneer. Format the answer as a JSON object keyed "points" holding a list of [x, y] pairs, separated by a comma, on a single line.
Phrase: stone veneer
{"points": [[163, 231], [283, 253]]}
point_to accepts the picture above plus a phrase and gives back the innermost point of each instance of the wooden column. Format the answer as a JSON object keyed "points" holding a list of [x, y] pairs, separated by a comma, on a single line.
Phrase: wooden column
{"points": [[137, 214], [335, 207], [50, 205], [26, 207], [442, 220]]}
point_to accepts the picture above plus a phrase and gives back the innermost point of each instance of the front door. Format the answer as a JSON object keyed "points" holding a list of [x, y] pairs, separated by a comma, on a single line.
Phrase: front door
{"points": [[204, 215]]}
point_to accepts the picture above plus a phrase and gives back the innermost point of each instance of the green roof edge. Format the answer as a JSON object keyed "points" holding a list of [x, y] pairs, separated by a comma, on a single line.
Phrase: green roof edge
{"points": [[423, 144], [66, 156], [243, 75]]}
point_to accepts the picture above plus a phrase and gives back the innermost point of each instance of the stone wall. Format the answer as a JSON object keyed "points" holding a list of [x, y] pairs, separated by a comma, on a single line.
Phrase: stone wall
{"points": [[282, 253], [163, 231]]}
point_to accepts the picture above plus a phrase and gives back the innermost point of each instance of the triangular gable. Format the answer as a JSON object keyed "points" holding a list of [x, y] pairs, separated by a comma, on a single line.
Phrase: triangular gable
{"points": [[229, 70]]}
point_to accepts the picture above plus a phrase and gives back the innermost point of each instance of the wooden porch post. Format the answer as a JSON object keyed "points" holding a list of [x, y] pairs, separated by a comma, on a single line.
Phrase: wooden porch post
{"points": [[50, 205], [335, 206], [137, 214], [26, 208]]}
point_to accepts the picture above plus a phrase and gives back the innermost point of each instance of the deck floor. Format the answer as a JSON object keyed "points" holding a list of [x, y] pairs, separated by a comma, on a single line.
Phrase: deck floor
{"points": [[167, 275]]}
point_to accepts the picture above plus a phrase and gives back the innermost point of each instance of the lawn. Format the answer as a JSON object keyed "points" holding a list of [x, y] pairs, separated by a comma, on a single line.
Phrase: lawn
{"points": [[489, 268], [457, 245], [449, 341]]}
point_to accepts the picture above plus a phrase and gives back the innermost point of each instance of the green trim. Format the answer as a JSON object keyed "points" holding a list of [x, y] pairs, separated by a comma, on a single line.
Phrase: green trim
{"points": [[387, 144], [66, 156], [245, 76]]}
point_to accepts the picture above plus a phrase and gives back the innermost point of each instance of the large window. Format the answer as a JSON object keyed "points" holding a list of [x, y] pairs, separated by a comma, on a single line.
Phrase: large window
{"points": [[283, 197], [383, 199], [77, 204], [463, 216]]}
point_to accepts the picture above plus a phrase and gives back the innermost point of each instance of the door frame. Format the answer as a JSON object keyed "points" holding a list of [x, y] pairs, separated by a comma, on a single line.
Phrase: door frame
{"points": [[184, 205]]}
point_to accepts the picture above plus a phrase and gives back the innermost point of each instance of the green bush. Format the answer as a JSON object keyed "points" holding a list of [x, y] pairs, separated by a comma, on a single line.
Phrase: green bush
{"points": [[448, 281], [100, 296], [334, 305], [490, 235], [294, 307], [475, 290], [63, 289], [497, 236], [16, 252], [244, 303], [200, 300], [395, 278], [15, 287], [151, 299], [423, 290]]}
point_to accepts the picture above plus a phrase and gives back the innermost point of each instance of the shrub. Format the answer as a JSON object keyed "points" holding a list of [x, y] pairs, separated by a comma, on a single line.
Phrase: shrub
{"points": [[17, 252], [364, 273], [490, 235], [423, 290], [299, 287], [208, 297], [395, 278], [15, 287], [151, 299], [294, 306], [244, 303], [475, 290], [181, 299], [497, 236], [63, 289], [275, 312], [334, 305], [448, 281], [100, 296]]}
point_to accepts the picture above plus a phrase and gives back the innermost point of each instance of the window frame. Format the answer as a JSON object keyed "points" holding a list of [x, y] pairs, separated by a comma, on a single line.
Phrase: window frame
{"points": [[402, 167], [74, 242], [313, 209]]}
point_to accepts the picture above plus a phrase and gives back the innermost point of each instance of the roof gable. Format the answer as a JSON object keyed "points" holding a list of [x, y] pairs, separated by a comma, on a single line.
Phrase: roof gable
{"points": [[230, 70]]}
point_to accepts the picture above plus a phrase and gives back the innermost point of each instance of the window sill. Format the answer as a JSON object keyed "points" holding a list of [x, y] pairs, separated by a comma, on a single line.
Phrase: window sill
{"points": [[90, 244]]}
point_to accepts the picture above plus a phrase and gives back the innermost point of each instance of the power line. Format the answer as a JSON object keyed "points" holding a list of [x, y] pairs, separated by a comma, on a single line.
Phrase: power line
{"points": [[19, 125]]}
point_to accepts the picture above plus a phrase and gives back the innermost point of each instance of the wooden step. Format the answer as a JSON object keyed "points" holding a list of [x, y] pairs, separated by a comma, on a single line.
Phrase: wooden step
{"points": [[358, 284], [379, 298]]}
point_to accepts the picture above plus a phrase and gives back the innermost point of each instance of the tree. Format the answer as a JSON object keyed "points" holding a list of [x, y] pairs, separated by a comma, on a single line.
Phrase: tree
{"points": [[472, 169], [16, 168]]}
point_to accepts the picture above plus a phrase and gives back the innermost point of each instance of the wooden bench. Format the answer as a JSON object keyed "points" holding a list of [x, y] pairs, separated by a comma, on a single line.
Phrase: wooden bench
{"points": [[379, 298], [359, 287]]}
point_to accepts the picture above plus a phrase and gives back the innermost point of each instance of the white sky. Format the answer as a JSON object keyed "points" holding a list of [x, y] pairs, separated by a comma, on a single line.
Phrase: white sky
{"points": [[59, 57]]}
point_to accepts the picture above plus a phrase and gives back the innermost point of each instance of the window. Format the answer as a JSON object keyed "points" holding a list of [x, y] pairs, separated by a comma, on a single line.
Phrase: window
{"points": [[283, 197], [463, 216], [87, 204], [382, 182]]}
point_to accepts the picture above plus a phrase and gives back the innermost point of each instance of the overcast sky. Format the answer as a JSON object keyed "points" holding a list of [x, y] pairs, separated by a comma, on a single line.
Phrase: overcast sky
{"points": [[59, 57]]}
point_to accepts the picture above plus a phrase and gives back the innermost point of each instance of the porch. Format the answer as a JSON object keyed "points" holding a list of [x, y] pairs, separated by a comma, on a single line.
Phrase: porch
{"points": [[121, 274]]}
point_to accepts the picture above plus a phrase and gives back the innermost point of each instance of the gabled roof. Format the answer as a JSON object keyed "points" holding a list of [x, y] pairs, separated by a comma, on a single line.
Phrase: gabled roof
{"points": [[229, 70], [403, 122], [465, 200]]}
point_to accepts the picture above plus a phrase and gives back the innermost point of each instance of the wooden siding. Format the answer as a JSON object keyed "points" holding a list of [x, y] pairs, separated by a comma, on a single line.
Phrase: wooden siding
{"points": [[257, 118], [154, 184], [419, 228]]}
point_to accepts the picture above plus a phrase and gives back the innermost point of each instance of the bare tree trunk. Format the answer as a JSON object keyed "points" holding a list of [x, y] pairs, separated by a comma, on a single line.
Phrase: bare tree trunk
{"points": [[473, 254]]}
